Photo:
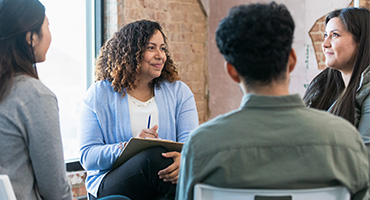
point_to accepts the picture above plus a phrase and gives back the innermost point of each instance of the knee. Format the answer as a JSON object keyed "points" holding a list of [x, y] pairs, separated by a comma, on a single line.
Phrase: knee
{"points": [[153, 157], [153, 151]]}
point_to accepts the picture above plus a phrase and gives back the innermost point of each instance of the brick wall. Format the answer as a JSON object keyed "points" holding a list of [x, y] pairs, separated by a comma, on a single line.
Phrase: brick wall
{"points": [[365, 3], [77, 181], [185, 25], [317, 35]]}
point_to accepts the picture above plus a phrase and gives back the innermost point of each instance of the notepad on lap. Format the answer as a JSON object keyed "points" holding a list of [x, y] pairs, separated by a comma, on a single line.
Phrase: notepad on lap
{"points": [[136, 145]]}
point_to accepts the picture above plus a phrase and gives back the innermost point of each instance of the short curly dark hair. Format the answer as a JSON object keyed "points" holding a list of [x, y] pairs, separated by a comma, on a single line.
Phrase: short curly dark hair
{"points": [[257, 39], [120, 57]]}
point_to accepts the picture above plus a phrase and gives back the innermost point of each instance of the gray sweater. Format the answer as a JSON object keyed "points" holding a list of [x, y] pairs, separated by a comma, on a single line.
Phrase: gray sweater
{"points": [[31, 152]]}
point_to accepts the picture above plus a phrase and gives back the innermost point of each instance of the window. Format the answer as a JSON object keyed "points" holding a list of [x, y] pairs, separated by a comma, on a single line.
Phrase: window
{"points": [[68, 68]]}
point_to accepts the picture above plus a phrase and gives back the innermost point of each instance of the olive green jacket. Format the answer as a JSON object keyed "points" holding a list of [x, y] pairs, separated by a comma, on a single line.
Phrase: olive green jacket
{"points": [[275, 143], [362, 110]]}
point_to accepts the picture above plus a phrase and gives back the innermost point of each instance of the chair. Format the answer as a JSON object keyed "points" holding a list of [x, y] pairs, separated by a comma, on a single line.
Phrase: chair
{"points": [[6, 189], [207, 192]]}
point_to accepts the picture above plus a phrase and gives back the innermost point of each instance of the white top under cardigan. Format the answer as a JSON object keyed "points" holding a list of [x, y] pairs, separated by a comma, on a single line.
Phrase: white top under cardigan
{"points": [[140, 112]]}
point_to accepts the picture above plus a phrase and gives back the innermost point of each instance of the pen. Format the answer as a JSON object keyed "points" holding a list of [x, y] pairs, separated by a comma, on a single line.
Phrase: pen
{"points": [[149, 120]]}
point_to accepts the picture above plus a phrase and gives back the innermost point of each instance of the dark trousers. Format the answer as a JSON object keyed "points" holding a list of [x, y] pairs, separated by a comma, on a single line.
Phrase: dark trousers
{"points": [[138, 178]]}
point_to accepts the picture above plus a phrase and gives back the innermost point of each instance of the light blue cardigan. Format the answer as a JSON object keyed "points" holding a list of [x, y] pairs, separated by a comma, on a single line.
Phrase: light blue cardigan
{"points": [[105, 121]]}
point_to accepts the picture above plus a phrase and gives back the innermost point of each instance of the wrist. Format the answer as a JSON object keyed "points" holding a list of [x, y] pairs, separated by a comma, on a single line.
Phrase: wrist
{"points": [[122, 145]]}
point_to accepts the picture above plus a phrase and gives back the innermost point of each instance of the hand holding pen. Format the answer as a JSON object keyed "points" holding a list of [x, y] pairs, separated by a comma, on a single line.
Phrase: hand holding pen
{"points": [[149, 132]]}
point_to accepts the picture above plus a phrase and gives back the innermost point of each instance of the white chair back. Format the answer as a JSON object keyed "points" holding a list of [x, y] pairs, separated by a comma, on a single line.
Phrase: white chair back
{"points": [[207, 192], [6, 189]]}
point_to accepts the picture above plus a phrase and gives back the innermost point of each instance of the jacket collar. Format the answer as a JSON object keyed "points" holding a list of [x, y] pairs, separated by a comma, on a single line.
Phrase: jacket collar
{"points": [[251, 100], [365, 78]]}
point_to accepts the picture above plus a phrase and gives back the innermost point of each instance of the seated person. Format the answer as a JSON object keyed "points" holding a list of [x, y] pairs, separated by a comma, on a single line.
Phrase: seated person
{"points": [[31, 151], [136, 78], [272, 141]]}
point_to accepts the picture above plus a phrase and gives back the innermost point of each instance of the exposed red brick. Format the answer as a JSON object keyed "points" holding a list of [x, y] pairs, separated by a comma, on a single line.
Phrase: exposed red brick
{"points": [[317, 37], [184, 23], [315, 28]]}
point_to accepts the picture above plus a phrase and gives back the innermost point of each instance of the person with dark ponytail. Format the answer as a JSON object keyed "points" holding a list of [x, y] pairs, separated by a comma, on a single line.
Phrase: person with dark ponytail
{"points": [[31, 152], [344, 87]]}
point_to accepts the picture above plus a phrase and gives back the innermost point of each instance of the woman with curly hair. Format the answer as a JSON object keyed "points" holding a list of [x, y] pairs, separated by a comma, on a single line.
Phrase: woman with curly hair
{"points": [[136, 78]]}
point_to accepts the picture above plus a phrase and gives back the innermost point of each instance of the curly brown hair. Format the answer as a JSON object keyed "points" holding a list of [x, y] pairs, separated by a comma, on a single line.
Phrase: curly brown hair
{"points": [[120, 57]]}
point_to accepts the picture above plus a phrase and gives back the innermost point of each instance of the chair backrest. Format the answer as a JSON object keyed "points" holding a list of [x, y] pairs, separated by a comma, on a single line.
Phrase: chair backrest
{"points": [[207, 192], [6, 189]]}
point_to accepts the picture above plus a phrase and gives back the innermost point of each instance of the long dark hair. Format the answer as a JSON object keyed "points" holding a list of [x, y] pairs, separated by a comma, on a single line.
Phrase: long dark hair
{"points": [[119, 59], [329, 86], [18, 17]]}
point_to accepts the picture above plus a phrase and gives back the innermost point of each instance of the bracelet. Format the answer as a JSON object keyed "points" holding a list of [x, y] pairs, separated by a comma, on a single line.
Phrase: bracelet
{"points": [[122, 145]]}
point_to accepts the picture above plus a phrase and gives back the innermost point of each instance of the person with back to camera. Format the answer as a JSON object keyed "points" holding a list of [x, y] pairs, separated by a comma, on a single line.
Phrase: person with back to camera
{"points": [[273, 141], [344, 87], [136, 77], [31, 151]]}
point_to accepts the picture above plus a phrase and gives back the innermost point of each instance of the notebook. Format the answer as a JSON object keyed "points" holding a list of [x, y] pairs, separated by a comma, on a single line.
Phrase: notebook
{"points": [[136, 145]]}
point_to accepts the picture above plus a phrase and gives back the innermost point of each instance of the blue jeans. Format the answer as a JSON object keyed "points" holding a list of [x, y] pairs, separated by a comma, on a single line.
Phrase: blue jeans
{"points": [[138, 178]]}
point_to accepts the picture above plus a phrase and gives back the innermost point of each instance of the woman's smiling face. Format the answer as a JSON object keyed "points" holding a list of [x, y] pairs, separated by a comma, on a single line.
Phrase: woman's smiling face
{"points": [[154, 57], [339, 47]]}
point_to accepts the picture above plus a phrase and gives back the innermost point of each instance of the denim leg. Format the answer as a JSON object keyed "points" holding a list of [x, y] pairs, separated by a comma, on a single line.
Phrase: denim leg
{"points": [[138, 178]]}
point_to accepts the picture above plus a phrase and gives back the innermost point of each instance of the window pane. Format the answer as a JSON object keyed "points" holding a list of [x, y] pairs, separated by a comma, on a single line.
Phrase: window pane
{"points": [[64, 70]]}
